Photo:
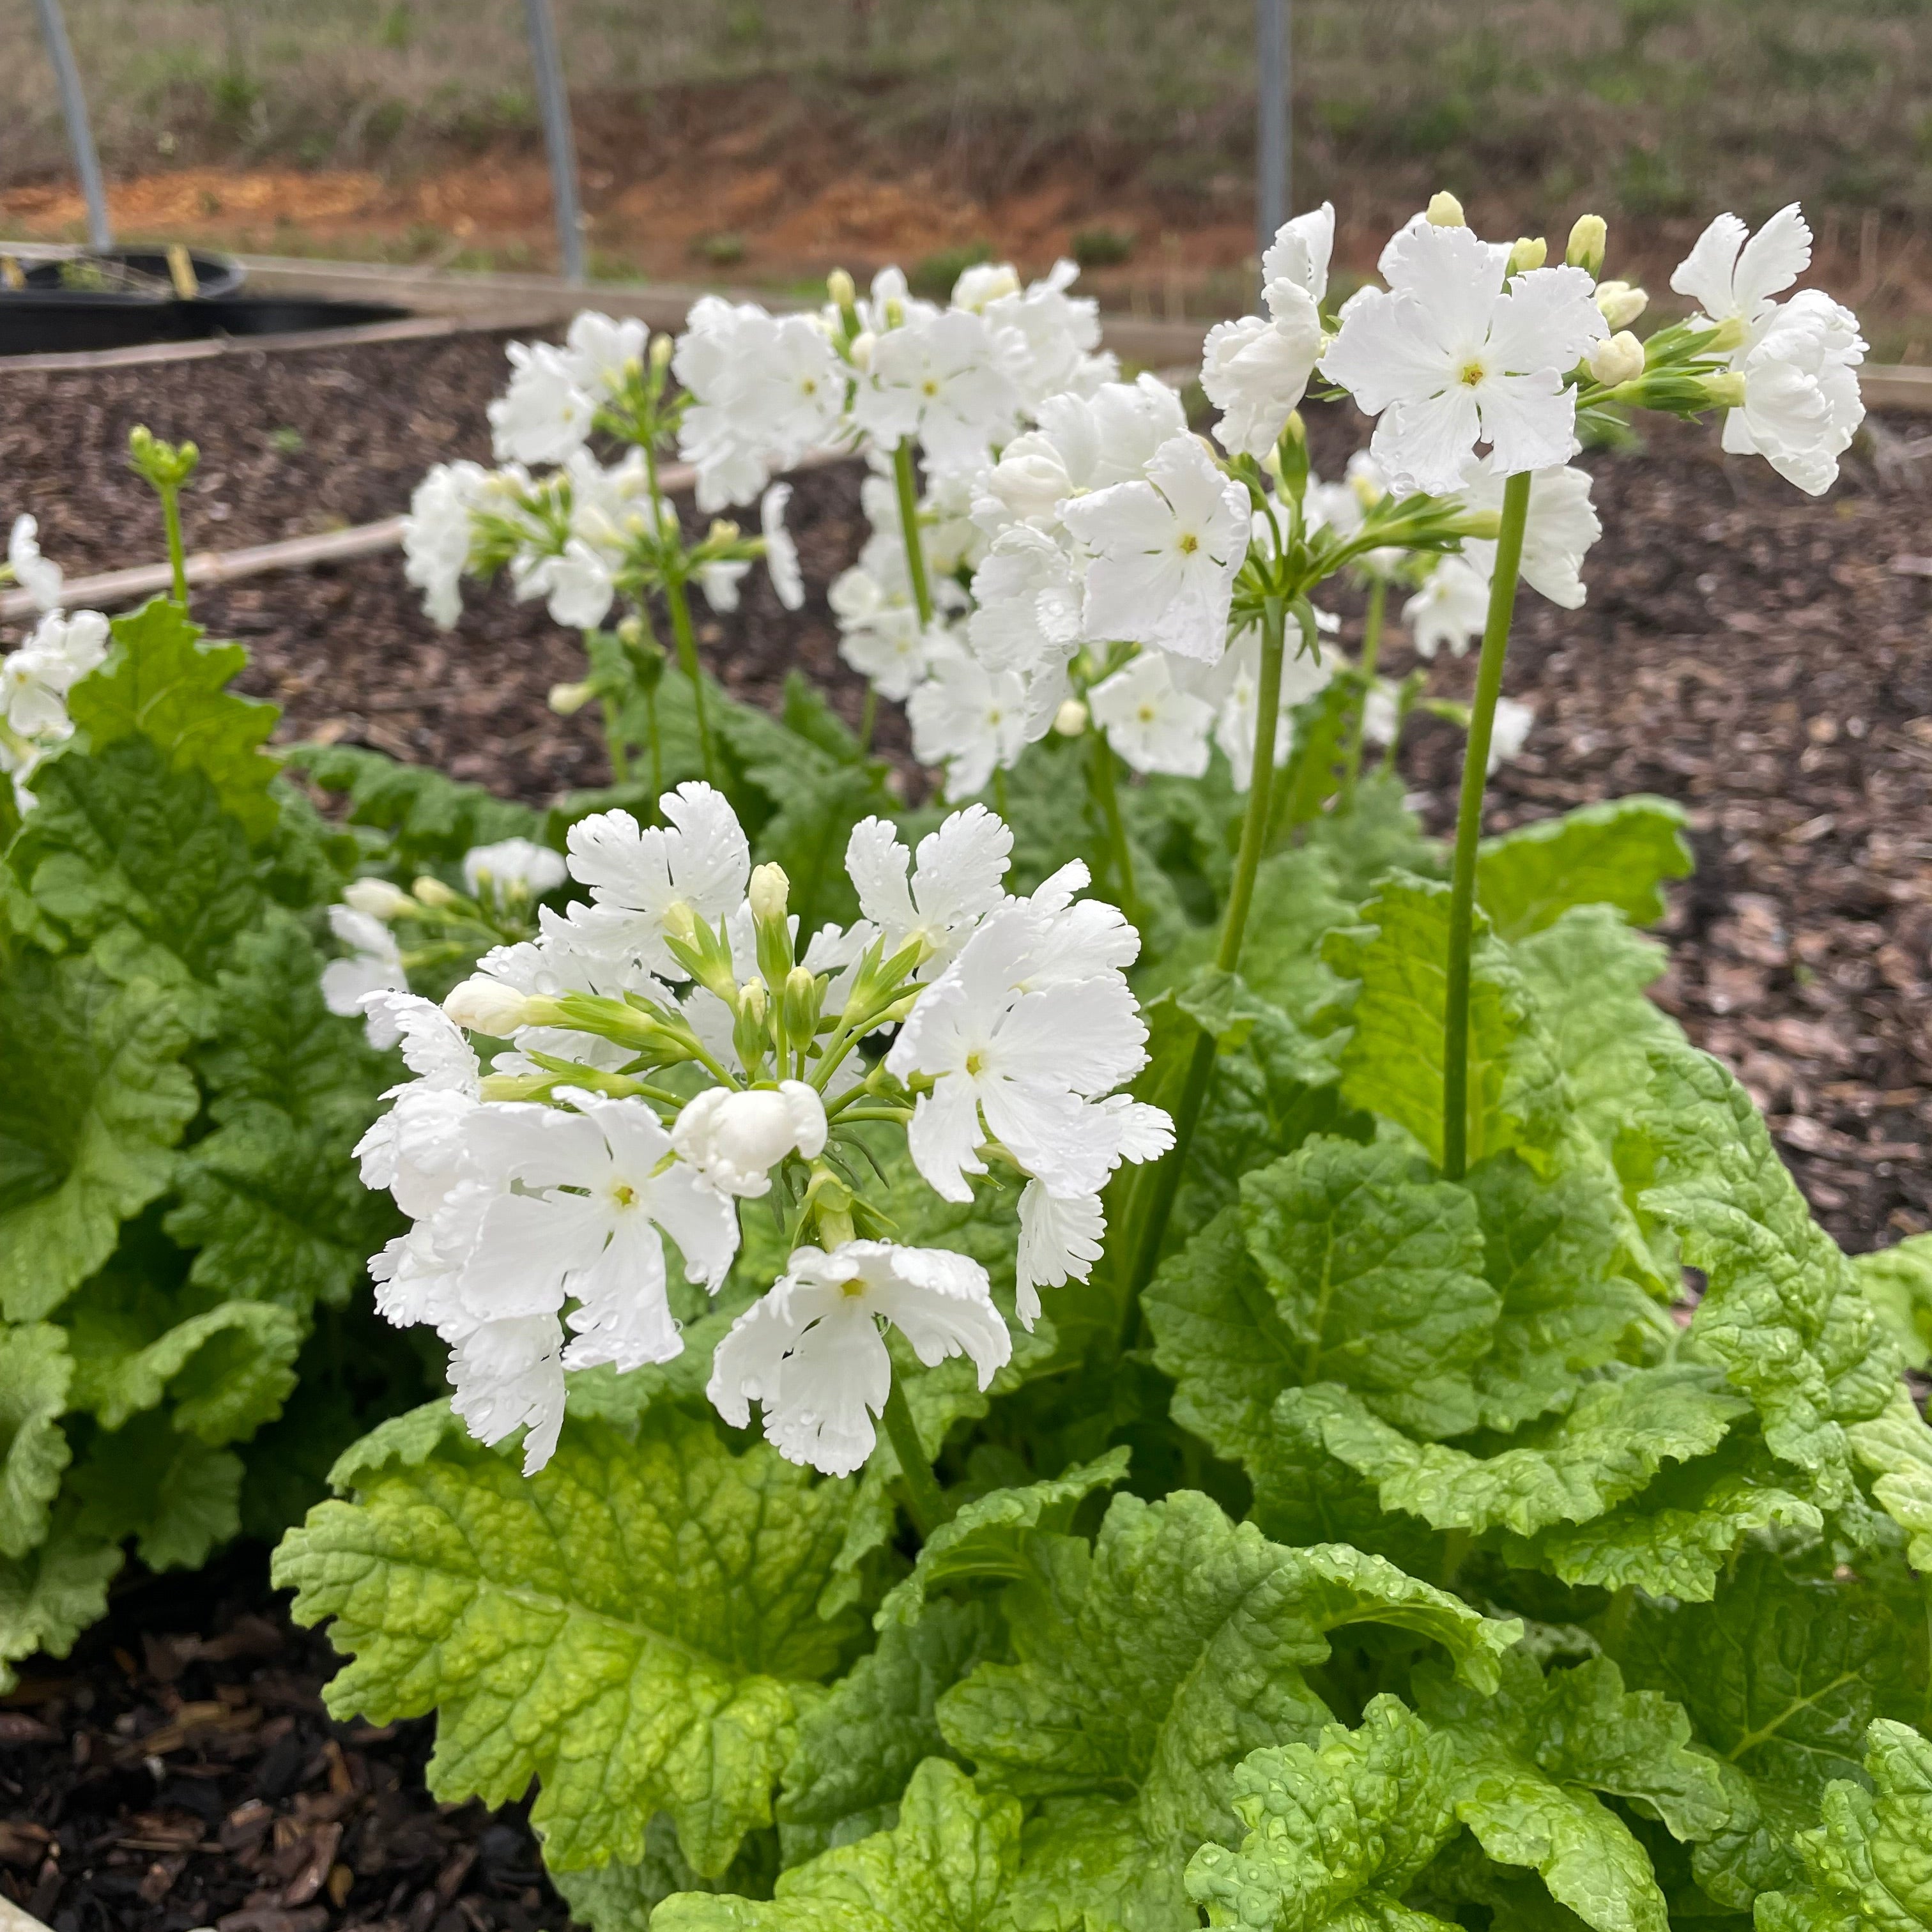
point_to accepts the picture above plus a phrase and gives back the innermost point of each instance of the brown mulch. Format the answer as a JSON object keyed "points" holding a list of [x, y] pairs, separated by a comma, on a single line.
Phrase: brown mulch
{"points": [[179, 1771]]}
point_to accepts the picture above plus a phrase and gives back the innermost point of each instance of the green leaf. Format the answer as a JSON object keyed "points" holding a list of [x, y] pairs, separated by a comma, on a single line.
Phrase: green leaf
{"points": [[1781, 1675], [622, 1898], [988, 1536], [180, 1499], [1392, 1064], [1898, 1282], [1895, 1447], [945, 1866], [1620, 1432], [1376, 1272], [50, 1595], [634, 1625], [223, 1372], [1337, 1831], [162, 683], [1152, 1664], [1870, 1861], [1525, 1766], [1296, 902], [856, 1749], [1782, 1314], [429, 819], [35, 1370], [1618, 853], [92, 1103], [410, 1439], [1376, 832], [271, 1201]]}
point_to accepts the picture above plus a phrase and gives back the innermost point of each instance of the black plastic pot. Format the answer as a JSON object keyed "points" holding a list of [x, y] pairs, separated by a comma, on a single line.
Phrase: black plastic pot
{"points": [[149, 280], [33, 322]]}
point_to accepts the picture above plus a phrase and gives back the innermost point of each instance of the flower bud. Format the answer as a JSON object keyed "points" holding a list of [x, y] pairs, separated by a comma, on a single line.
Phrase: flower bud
{"points": [[1729, 335], [767, 892], [1070, 720], [1620, 359], [1621, 304], [431, 891], [1444, 211], [754, 1001], [1589, 239], [680, 922], [566, 700], [661, 349], [862, 344], [734, 1139], [378, 899], [481, 1005], [839, 286], [1531, 251], [799, 1010], [1724, 392]]}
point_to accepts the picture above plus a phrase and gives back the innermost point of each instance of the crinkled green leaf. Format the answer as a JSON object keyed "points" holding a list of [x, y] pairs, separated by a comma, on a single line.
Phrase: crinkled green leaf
{"points": [[1151, 1664], [1869, 1862], [1392, 1064], [50, 1595], [1782, 1313], [622, 1898], [35, 1370], [271, 1201], [223, 1372], [1895, 1448], [1525, 1767], [1296, 900], [1898, 1282], [945, 1866], [1618, 853], [179, 1499], [1377, 1274], [410, 1438], [1376, 832], [856, 1749], [1550, 1246], [987, 1537], [1781, 1675], [430, 818], [92, 1100], [161, 682], [635, 1626], [1336, 1831], [1619, 1433]]}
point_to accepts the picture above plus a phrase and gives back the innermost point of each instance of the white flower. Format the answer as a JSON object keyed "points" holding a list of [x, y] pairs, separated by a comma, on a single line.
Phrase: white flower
{"points": [[701, 862], [781, 552], [38, 576], [718, 583], [1801, 405], [517, 867], [1153, 725], [1233, 688], [1450, 608], [546, 414], [938, 378], [1167, 550], [35, 680], [1028, 600], [601, 352], [374, 965], [1450, 354], [1561, 525], [812, 1354], [732, 1141], [880, 635], [575, 583], [955, 884], [1046, 337], [1509, 731], [969, 719], [1060, 1242], [436, 537], [508, 1375], [1732, 279], [1382, 714], [1256, 370]]}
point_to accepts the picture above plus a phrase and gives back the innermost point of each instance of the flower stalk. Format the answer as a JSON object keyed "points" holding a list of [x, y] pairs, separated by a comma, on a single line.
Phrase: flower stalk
{"points": [[1372, 643], [1106, 794], [907, 486], [1469, 825], [925, 1501]]}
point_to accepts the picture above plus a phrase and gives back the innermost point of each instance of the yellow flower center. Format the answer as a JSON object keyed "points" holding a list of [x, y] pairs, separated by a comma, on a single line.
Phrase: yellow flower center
{"points": [[1189, 543], [1473, 372]]}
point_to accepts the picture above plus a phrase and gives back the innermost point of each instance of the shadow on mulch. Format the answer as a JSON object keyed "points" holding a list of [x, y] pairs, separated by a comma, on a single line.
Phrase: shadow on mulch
{"points": [[179, 1771]]}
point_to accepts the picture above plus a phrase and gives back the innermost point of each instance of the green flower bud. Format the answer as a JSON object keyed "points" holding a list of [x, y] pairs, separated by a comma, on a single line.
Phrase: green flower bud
{"points": [[1589, 240], [1444, 211], [431, 891], [566, 700], [799, 1010], [1618, 360], [1531, 251], [1621, 304]]}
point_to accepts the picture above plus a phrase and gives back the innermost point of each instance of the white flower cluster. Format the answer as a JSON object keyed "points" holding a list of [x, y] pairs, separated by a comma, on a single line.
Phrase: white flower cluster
{"points": [[668, 1054], [35, 679]]}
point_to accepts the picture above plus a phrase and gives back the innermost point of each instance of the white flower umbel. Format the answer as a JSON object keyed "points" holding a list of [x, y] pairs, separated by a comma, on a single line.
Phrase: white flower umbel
{"points": [[955, 884], [1450, 609], [1166, 552], [512, 868], [575, 583], [546, 414], [1456, 351], [732, 1141], [968, 719], [1048, 341], [813, 1355], [35, 680], [39, 576], [1154, 725], [374, 965], [940, 380], [1561, 526], [1256, 370], [436, 537]]}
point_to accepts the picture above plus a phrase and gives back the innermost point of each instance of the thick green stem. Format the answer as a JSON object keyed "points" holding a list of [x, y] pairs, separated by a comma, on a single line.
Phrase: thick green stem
{"points": [[999, 791], [868, 718], [1100, 772], [1469, 827], [1159, 1184], [170, 498], [907, 485], [925, 1502], [687, 662], [1372, 645]]}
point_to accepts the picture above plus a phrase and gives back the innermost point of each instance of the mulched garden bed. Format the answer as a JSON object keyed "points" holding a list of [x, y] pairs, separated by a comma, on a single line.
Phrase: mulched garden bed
{"points": [[1764, 659]]}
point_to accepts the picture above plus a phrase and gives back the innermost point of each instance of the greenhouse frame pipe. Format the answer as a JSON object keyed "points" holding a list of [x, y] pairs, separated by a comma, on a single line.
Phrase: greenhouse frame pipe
{"points": [[560, 142], [80, 132]]}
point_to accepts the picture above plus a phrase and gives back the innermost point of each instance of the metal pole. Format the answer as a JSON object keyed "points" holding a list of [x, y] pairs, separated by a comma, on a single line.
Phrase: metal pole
{"points": [[558, 140], [79, 135], [1272, 198]]}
